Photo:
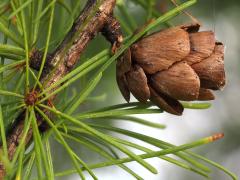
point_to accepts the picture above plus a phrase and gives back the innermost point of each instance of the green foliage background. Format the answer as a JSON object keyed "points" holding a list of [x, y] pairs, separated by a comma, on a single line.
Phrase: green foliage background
{"points": [[224, 113]]}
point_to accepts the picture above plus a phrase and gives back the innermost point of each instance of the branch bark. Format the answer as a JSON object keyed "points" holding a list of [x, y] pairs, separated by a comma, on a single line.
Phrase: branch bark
{"points": [[97, 16]]}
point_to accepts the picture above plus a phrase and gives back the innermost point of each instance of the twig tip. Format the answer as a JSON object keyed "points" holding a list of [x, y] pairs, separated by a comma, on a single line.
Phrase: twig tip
{"points": [[216, 137]]}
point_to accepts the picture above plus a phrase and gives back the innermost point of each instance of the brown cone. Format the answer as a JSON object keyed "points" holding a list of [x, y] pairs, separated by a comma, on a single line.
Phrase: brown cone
{"points": [[166, 103], [191, 27], [178, 63], [211, 70], [137, 83], [160, 50], [205, 95], [202, 46], [123, 66], [124, 63], [123, 86], [179, 81]]}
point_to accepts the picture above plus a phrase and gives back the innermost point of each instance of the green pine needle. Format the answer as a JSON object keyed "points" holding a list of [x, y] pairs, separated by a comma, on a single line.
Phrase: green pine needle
{"points": [[29, 25]]}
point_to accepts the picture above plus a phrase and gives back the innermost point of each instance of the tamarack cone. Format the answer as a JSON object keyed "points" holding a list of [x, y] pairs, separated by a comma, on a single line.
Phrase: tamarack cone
{"points": [[179, 63]]}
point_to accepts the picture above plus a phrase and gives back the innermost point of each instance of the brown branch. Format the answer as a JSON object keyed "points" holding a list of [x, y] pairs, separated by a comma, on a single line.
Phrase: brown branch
{"points": [[94, 18]]}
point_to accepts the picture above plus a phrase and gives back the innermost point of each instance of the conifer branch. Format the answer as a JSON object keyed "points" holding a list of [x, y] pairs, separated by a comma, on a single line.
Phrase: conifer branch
{"points": [[97, 16]]}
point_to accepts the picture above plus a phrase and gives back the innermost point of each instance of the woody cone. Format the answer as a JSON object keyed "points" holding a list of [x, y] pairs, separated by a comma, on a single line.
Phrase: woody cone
{"points": [[175, 64]]}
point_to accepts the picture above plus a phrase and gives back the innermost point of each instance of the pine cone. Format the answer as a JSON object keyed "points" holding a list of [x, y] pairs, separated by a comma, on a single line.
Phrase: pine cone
{"points": [[178, 63]]}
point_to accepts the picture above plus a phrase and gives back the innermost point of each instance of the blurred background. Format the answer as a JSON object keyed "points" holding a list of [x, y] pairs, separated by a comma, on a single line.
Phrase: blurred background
{"points": [[224, 115]]}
